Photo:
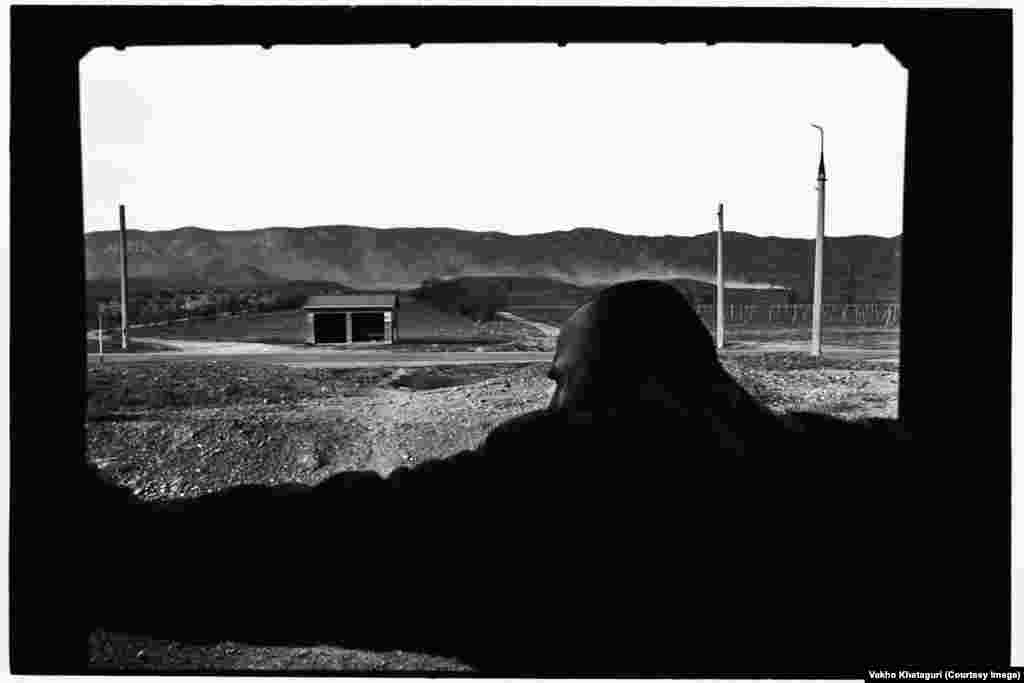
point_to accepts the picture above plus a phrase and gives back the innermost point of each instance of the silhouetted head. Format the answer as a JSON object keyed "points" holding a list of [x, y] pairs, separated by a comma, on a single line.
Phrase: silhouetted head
{"points": [[636, 341]]}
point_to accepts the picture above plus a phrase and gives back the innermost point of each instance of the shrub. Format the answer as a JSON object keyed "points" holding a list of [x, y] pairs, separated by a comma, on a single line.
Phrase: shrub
{"points": [[477, 299]]}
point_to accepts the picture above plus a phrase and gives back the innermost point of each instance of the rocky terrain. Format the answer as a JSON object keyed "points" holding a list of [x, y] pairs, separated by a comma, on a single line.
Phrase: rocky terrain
{"points": [[181, 429], [174, 429]]}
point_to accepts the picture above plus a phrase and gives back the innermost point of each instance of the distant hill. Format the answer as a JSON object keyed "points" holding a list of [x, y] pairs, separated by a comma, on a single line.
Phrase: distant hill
{"points": [[400, 258], [110, 287]]}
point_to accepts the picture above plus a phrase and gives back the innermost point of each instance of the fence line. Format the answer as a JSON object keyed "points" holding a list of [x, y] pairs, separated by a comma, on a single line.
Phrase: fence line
{"points": [[884, 314]]}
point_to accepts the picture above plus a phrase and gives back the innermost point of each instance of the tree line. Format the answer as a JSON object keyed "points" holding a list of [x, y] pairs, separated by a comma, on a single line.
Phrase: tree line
{"points": [[477, 299], [164, 305]]}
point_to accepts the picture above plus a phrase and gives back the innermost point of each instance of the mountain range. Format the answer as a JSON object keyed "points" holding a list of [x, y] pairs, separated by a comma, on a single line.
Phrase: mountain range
{"points": [[400, 258]]}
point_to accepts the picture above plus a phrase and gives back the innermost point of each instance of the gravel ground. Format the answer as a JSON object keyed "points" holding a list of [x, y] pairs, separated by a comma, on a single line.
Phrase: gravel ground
{"points": [[122, 652], [171, 430], [180, 429], [850, 389]]}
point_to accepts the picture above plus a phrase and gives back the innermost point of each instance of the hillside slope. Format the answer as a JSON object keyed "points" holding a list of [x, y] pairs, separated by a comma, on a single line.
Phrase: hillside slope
{"points": [[403, 257]]}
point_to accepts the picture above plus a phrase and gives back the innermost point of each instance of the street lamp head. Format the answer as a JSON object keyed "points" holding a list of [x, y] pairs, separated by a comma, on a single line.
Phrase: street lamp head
{"points": [[821, 161]]}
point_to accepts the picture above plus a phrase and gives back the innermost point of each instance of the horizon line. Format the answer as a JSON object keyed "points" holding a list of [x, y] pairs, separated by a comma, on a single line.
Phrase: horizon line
{"points": [[480, 230]]}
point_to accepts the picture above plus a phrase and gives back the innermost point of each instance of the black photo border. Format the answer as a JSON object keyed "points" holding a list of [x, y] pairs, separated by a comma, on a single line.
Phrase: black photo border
{"points": [[954, 387]]}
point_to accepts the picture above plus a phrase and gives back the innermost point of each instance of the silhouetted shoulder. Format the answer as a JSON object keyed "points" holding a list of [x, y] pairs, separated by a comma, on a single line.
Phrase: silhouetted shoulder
{"points": [[866, 438], [808, 422], [522, 426]]}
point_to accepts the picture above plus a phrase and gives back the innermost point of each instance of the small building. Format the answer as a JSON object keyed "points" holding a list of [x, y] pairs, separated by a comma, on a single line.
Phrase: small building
{"points": [[352, 318]]}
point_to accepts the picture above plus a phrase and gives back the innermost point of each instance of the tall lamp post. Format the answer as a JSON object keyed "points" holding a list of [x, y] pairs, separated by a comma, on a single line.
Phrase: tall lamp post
{"points": [[99, 329], [720, 282], [819, 248], [124, 280]]}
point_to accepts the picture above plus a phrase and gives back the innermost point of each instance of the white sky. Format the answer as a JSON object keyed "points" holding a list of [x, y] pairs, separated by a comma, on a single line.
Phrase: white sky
{"points": [[640, 139]]}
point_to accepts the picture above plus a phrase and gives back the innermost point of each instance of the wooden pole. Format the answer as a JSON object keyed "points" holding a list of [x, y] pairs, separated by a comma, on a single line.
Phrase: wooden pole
{"points": [[99, 317], [124, 281], [819, 248], [720, 282]]}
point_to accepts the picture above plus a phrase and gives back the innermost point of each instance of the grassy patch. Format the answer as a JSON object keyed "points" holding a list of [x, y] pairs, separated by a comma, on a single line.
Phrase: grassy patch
{"points": [[831, 335], [835, 334], [418, 323], [278, 327]]}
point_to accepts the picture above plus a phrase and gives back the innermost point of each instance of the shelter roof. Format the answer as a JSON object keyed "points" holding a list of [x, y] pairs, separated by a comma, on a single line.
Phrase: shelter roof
{"points": [[353, 301]]}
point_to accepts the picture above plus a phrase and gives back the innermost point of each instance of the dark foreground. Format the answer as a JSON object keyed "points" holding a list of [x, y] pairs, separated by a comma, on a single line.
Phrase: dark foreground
{"points": [[176, 429]]}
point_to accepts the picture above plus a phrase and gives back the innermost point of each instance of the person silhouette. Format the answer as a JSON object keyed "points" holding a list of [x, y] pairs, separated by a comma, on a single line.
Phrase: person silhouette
{"points": [[655, 518]]}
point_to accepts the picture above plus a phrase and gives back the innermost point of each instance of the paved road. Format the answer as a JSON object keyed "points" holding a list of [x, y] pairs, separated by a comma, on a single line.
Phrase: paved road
{"points": [[340, 358], [315, 358], [545, 329]]}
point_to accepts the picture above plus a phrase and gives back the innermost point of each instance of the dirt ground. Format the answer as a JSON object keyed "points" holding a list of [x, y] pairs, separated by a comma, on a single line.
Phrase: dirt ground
{"points": [[180, 429]]}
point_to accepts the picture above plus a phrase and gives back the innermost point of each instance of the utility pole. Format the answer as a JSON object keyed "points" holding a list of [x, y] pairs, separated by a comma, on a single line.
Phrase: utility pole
{"points": [[99, 316], [819, 248], [124, 282], [720, 283], [851, 284]]}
